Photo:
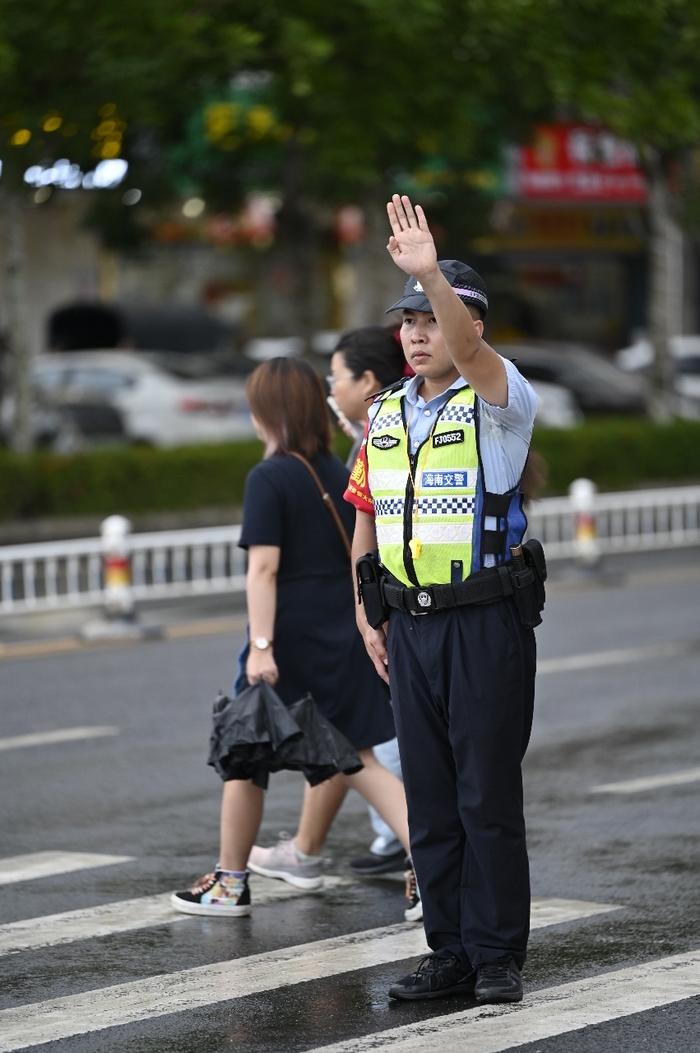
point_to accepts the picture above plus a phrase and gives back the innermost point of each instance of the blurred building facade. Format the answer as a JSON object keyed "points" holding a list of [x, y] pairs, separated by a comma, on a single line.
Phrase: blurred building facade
{"points": [[565, 254]]}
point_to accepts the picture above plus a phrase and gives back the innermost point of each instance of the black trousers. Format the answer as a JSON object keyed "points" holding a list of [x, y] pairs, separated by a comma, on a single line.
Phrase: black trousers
{"points": [[462, 686]]}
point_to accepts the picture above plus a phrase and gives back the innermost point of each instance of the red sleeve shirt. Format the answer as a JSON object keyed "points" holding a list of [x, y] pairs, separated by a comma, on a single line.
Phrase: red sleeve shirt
{"points": [[357, 493]]}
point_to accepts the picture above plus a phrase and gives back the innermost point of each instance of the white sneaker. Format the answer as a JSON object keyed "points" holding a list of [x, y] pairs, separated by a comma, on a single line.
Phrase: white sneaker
{"points": [[282, 861], [414, 910]]}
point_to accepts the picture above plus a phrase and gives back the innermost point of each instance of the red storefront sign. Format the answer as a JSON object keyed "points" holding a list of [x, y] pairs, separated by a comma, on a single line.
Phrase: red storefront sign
{"points": [[577, 162]]}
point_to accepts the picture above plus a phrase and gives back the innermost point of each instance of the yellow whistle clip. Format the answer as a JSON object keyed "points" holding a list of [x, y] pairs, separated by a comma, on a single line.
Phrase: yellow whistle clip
{"points": [[416, 547]]}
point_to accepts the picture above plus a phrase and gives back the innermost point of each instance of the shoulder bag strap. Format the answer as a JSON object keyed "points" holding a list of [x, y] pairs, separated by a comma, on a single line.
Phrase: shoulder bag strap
{"points": [[327, 500]]}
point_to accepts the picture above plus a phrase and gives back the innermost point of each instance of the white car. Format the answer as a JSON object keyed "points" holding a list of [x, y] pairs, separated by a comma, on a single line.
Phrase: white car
{"points": [[640, 354], [557, 407], [685, 351], [157, 407]]}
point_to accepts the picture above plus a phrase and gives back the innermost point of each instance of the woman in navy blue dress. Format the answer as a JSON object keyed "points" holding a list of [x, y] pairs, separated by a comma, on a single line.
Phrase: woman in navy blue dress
{"points": [[302, 635]]}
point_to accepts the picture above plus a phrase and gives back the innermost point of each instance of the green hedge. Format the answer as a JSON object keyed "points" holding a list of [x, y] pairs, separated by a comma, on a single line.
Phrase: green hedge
{"points": [[126, 480], [615, 454], [621, 454]]}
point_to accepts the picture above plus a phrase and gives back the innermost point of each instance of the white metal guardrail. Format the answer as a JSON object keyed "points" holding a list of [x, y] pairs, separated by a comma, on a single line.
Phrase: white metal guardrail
{"points": [[169, 563], [178, 563], [637, 520]]}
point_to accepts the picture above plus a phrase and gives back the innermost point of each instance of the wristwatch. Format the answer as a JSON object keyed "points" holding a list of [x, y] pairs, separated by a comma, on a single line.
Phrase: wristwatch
{"points": [[261, 643]]}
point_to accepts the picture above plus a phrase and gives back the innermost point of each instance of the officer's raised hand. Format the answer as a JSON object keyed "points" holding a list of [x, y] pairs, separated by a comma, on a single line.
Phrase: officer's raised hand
{"points": [[412, 248], [411, 244]]}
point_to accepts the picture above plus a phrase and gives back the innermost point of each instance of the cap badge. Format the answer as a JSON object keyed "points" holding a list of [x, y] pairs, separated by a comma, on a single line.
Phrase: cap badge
{"points": [[418, 287]]}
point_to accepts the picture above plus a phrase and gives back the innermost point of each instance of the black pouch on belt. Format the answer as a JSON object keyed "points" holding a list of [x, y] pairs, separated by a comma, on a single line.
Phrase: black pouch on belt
{"points": [[528, 585], [369, 589], [534, 557]]}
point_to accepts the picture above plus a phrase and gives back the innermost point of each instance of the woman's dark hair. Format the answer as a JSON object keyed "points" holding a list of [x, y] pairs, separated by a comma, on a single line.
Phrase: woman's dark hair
{"points": [[534, 477], [288, 398], [373, 347]]}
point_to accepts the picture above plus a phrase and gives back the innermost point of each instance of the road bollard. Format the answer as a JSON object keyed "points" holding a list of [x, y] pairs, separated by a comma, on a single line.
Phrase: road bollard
{"points": [[119, 600], [119, 618], [582, 494]]}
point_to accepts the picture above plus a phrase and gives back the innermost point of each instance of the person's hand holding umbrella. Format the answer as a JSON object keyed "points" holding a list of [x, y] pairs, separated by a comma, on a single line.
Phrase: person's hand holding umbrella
{"points": [[261, 665]]}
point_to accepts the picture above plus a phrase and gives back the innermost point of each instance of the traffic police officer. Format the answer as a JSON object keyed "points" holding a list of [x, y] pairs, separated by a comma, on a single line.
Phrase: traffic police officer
{"points": [[436, 492]]}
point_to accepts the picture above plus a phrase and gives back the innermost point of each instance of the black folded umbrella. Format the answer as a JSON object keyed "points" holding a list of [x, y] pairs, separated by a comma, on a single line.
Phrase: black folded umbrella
{"points": [[322, 751], [254, 734], [247, 731]]}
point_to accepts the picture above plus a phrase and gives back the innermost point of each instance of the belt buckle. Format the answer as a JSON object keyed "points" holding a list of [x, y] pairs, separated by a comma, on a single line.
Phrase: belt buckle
{"points": [[423, 599]]}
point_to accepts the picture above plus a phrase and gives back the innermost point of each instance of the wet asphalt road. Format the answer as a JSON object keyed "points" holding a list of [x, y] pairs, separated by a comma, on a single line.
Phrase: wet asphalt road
{"points": [[146, 793]]}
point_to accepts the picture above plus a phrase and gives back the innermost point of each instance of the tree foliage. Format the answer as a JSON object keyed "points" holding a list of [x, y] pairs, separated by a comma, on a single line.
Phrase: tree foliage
{"points": [[70, 59], [359, 91], [630, 66]]}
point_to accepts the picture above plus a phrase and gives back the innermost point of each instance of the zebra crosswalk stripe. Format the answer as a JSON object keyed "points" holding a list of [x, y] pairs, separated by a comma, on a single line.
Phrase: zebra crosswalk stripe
{"points": [[154, 996], [126, 916], [650, 782], [621, 656], [544, 1014], [47, 864], [52, 738]]}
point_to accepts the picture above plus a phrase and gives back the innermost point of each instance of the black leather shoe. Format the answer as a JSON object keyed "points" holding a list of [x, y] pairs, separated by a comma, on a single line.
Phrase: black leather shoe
{"points": [[369, 865], [436, 976], [498, 981]]}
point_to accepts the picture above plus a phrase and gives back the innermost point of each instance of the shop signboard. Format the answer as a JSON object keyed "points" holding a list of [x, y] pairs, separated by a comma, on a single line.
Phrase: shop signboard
{"points": [[576, 162]]}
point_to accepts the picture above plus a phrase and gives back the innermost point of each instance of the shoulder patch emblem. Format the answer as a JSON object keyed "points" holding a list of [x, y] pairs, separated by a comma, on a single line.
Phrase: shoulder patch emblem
{"points": [[448, 438], [358, 474], [385, 442]]}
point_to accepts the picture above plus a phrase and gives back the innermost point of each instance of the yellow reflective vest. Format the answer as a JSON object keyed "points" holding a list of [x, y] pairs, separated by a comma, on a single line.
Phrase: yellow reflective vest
{"points": [[430, 506]]}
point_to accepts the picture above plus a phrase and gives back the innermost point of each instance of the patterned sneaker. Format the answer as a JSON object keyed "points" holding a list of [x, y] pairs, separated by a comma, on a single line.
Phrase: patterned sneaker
{"points": [[414, 910], [218, 895], [283, 861]]}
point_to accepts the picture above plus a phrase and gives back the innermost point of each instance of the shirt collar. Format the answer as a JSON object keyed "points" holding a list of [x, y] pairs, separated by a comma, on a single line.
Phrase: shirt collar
{"points": [[412, 395]]}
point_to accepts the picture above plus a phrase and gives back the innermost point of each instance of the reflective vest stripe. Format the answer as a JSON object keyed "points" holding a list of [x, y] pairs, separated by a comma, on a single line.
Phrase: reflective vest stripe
{"points": [[427, 533], [425, 506]]}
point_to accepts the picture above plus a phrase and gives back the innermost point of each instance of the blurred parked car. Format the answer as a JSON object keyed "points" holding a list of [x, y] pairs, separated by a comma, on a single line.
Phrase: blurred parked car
{"points": [[261, 349], [65, 427], [685, 351], [688, 380], [557, 406], [156, 406], [50, 428], [597, 385], [188, 340]]}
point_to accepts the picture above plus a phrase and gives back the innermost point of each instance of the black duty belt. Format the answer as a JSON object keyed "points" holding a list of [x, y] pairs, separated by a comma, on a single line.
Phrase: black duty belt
{"points": [[486, 586]]}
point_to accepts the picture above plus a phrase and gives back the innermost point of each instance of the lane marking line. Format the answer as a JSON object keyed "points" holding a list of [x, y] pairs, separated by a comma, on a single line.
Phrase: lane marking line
{"points": [[43, 738], [622, 656], [206, 627], [650, 782], [544, 1014], [176, 992], [32, 648], [68, 644], [47, 864], [128, 915]]}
